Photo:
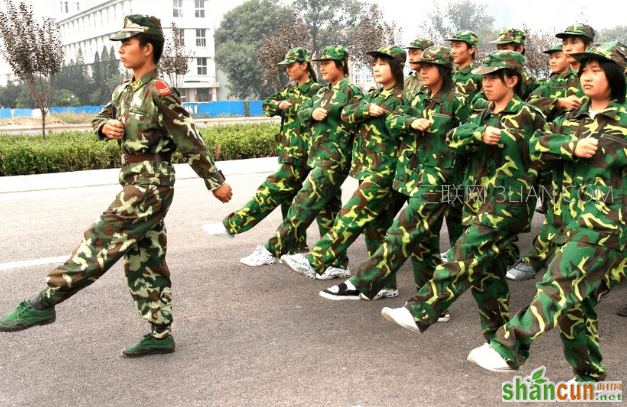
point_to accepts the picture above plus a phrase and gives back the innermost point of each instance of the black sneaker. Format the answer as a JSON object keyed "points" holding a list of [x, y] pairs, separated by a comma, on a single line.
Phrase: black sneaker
{"points": [[342, 291]]}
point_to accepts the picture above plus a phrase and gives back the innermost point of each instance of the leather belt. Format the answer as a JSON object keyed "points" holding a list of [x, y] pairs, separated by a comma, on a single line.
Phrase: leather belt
{"points": [[136, 158]]}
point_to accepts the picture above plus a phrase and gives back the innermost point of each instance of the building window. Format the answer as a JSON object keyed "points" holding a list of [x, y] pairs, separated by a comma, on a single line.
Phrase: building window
{"points": [[203, 95], [183, 95], [201, 40], [78, 6], [201, 63], [177, 8], [199, 8]]}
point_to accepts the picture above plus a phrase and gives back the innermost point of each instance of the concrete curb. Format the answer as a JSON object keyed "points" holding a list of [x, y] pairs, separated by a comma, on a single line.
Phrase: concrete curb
{"points": [[80, 179]]}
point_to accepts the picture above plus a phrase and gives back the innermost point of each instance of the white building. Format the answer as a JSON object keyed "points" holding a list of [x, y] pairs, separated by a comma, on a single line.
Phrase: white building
{"points": [[88, 24]]}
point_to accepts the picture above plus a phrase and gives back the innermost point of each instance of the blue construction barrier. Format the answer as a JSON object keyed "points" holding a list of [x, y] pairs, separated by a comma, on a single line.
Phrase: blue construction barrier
{"points": [[220, 108], [255, 108]]}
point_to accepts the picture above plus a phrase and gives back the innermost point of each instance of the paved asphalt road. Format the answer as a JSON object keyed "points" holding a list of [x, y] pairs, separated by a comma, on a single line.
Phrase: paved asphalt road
{"points": [[245, 336]]}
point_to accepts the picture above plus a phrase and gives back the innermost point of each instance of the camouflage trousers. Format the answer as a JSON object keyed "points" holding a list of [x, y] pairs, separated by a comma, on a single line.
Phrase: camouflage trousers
{"points": [[542, 246], [573, 272], [278, 189], [579, 330], [479, 262], [415, 233], [371, 211], [132, 227], [321, 197]]}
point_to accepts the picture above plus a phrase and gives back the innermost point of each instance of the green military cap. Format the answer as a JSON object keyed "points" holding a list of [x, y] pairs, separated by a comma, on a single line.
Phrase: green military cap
{"points": [[135, 24], [297, 54], [555, 48], [509, 35], [438, 55], [468, 37], [578, 29], [420, 43], [612, 51], [336, 52], [392, 51], [501, 60]]}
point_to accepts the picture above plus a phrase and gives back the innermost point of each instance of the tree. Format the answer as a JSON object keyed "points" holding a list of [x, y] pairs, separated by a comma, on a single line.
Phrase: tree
{"points": [[618, 33], [33, 51], [10, 93], [240, 31], [331, 22], [174, 62], [536, 61], [457, 15], [277, 44], [373, 33]]}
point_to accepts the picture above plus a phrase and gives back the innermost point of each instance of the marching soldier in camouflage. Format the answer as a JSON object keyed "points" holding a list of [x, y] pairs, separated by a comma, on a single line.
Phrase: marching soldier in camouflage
{"points": [[501, 173], [146, 118], [464, 44], [593, 151], [329, 158], [425, 166], [372, 207], [413, 82], [553, 98], [292, 144], [514, 40]]}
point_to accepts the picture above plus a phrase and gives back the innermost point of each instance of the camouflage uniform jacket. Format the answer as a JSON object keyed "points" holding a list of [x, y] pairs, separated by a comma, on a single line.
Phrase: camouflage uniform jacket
{"points": [[467, 83], [594, 192], [499, 178], [156, 123], [529, 84], [375, 150], [558, 86], [331, 139], [413, 84], [424, 161], [292, 143]]}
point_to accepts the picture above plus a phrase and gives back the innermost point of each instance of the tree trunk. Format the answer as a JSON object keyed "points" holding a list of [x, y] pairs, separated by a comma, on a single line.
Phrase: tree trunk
{"points": [[43, 123]]}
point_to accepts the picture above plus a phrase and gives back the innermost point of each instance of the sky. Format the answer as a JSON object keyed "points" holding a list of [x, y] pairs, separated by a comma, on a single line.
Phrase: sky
{"points": [[549, 15]]}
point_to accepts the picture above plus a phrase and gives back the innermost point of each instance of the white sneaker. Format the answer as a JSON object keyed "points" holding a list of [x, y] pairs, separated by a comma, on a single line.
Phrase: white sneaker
{"points": [[342, 291], [400, 316], [384, 293], [299, 263], [334, 272], [487, 358], [444, 257], [444, 318], [217, 229], [259, 257]]}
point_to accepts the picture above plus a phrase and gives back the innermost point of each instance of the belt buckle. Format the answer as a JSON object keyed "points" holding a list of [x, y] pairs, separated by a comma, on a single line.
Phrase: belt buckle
{"points": [[123, 159]]}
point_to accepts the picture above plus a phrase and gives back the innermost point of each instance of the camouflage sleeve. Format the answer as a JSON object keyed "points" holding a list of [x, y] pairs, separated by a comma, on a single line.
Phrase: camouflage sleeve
{"points": [[99, 120], [306, 109], [466, 138], [555, 143], [399, 121], [180, 128], [356, 111], [540, 99], [462, 109], [270, 105]]}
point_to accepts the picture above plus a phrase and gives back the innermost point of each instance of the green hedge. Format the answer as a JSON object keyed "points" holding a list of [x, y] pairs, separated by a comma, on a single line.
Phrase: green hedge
{"points": [[77, 151]]}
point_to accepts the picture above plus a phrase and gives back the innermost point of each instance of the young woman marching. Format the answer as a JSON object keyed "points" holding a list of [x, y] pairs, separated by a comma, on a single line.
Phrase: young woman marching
{"points": [[374, 204], [425, 165], [497, 203], [591, 144], [292, 142], [329, 158]]}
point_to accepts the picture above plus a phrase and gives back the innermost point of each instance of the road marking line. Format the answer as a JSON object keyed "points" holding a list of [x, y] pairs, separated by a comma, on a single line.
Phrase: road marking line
{"points": [[35, 262]]}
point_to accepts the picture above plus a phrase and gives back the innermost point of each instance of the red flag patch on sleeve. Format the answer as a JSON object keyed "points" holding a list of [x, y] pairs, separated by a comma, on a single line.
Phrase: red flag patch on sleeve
{"points": [[163, 89]]}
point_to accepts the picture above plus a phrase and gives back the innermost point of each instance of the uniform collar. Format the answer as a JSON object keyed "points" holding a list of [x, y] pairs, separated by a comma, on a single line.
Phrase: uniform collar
{"points": [[438, 97], [341, 83], [613, 110], [467, 69], [147, 77], [305, 86], [385, 93], [513, 106]]}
